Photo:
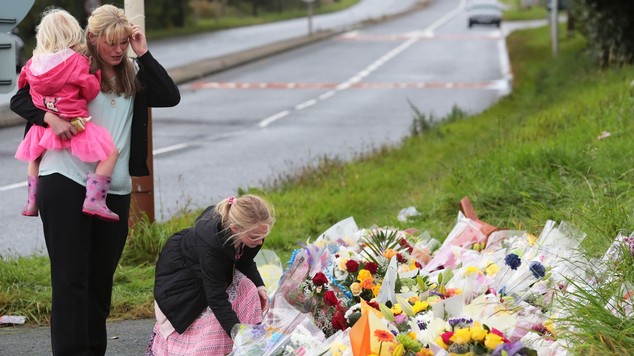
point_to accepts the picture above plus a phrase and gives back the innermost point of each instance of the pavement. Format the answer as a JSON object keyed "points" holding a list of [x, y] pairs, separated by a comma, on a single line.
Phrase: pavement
{"points": [[130, 337]]}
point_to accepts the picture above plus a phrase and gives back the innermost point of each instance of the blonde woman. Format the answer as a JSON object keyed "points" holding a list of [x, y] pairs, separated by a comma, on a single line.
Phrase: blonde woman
{"points": [[84, 251], [207, 282], [60, 82]]}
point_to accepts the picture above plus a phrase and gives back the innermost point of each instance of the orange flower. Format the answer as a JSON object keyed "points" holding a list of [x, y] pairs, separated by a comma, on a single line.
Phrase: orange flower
{"points": [[384, 335], [368, 283]]}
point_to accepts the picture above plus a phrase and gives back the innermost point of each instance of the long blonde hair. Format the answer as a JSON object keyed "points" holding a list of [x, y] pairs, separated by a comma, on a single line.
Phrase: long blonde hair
{"points": [[110, 23], [246, 212], [57, 31]]}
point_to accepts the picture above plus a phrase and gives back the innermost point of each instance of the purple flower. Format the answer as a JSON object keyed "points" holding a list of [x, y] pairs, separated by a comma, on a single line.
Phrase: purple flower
{"points": [[512, 260], [459, 322], [400, 318], [511, 348], [537, 269]]}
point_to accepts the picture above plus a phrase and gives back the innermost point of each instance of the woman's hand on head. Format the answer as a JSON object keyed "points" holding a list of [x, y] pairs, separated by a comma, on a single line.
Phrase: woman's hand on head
{"points": [[138, 40], [62, 128]]}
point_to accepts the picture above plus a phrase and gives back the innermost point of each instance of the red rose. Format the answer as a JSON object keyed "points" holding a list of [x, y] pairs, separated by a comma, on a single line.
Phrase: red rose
{"points": [[372, 267], [352, 266], [330, 298], [320, 279], [339, 320]]}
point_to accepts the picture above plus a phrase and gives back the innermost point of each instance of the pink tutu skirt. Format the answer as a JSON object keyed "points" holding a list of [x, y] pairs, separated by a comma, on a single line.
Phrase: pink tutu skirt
{"points": [[206, 337], [91, 145]]}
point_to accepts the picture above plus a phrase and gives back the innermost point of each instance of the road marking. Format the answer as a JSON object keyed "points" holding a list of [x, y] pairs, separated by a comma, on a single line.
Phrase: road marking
{"points": [[266, 122], [167, 149], [13, 186]]}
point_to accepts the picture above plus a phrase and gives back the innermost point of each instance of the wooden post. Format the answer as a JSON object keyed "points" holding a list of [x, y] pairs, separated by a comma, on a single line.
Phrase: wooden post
{"points": [[142, 187]]}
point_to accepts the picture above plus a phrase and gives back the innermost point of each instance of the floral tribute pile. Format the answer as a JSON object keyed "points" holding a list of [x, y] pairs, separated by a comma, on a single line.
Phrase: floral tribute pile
{"points": [[383, 291]]}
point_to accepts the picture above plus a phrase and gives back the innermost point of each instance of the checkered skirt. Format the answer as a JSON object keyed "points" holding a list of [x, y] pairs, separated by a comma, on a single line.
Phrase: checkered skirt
{"points": [[206, 336]]}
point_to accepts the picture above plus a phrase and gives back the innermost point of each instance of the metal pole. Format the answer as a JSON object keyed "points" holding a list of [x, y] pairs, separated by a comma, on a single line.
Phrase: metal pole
{"points": [[310, 17], [142, 187], [554, 26]]}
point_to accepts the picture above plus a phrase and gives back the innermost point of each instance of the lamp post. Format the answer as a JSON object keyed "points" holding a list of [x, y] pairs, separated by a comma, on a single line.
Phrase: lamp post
{"points": [[310, 15], [554, 26]]}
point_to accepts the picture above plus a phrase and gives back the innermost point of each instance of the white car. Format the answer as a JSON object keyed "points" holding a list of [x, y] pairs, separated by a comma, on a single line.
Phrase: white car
{"points": [[481, 12]]}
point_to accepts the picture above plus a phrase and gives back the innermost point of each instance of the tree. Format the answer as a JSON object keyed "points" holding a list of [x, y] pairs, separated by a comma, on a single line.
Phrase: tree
{"points": [[608, 26]]}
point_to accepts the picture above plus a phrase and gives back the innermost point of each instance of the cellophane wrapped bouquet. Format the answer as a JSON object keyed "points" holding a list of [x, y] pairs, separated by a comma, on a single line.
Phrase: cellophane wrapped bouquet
{"points": [[384, 291]]}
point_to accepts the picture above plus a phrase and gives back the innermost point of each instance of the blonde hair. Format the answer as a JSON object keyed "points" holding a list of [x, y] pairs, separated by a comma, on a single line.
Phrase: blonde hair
{"points": [[57, 31], [246, 212], [110, 23]]}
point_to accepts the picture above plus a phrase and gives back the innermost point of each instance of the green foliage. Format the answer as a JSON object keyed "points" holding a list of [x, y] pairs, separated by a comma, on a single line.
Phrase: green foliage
{"points": [[609, 27]]}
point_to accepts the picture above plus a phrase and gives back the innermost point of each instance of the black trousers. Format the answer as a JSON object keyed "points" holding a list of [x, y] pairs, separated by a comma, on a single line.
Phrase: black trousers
{"points": [[84, 253]]}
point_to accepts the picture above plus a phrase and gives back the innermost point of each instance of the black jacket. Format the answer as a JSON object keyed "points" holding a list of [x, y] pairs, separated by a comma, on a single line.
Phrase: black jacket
{"points": [[158, 91], [194, 270]]}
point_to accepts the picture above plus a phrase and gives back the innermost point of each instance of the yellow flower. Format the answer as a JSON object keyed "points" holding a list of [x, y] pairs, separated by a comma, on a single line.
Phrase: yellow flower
{"points": [[441, 343], [355, 289], [413, 299], [478, 333], [389, 253], [363, 275], [491, 269], [461, 336], [471, 270], [412, 335], [433, 299], [491, 341], [376, 290], [396, 309], [341, 263], [399, 350], [532, 239], [420, 306]]}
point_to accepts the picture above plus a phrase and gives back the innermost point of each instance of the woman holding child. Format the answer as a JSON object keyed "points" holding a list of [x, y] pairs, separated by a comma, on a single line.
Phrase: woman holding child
{"points": [[84, 251]]}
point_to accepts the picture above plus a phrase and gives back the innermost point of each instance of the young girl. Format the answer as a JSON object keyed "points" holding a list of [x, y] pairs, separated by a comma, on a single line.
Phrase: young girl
{"points": [[207, 281], [60, 82]]}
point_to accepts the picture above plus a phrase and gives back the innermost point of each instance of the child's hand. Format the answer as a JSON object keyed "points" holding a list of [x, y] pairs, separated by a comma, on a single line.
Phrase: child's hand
{"points": [[138, 40]]}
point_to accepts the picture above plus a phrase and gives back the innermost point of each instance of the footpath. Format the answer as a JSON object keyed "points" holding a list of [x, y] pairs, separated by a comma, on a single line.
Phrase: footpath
{"points": [[188, 59]]}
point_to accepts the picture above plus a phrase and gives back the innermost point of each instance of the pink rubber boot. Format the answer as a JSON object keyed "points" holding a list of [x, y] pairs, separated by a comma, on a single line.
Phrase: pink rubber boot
{"points": [[31, 204], [95, 203]]}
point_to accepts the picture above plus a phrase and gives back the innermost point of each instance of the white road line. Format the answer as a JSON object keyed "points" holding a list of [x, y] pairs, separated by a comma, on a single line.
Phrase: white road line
{"points": [[373, 66], [159, 151], [266, 122], [13, 186], [306, 104], [326, 95]]}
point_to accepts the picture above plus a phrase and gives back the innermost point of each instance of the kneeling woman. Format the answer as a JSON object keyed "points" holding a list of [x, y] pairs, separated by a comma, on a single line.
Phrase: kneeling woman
{"points": [[206, 280]]}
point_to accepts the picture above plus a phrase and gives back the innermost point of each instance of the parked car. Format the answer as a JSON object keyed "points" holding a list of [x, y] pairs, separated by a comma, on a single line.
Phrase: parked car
{"points": [[20, 59], [483, 12]]}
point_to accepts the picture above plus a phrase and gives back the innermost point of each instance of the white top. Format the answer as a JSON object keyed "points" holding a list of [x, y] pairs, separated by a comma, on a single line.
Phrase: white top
{"points": [[115, 114]]}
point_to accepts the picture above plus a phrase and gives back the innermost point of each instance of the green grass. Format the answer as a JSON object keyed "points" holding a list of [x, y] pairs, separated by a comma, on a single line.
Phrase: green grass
{"points": [[532, 157], [240, 19], [517, 12]]}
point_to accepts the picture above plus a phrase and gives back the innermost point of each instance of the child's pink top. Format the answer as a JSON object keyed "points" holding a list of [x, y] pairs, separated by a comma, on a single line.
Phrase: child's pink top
{"points": [[61, 83]]}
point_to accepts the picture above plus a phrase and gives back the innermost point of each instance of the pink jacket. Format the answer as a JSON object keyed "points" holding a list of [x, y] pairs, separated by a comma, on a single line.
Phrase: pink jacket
{"points": [[61, 83]]}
